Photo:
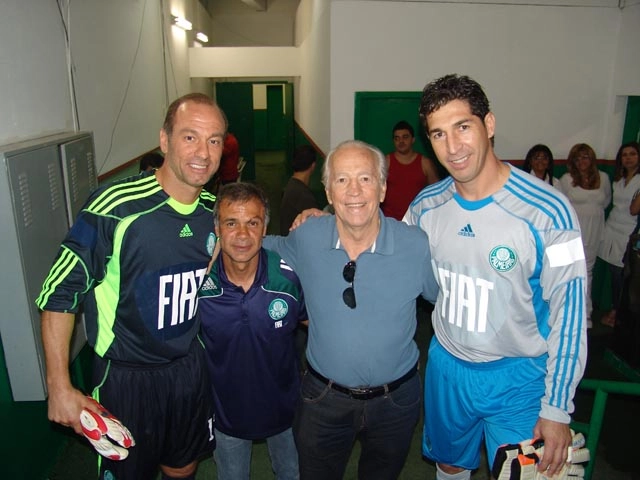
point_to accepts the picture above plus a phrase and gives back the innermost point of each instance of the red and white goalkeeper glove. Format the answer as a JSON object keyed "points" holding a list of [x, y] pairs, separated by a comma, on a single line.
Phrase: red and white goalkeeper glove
{"points": [[99, 428], [520, 461]]}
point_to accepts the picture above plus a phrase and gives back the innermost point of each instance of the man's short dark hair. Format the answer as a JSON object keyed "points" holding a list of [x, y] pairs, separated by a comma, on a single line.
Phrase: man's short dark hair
{"points": [[403, 125], [451, 87], [303, 157], [240, 192], [199, 98]]}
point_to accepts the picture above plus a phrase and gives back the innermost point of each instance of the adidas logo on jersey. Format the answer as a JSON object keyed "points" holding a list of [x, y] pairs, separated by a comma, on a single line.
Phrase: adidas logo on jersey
{"points": [[467, 231], [209, 284], [284, 266], [186, 231]]}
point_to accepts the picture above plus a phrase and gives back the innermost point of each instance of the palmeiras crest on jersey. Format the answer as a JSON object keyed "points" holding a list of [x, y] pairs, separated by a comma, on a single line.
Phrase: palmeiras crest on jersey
{"points": [[503, 258], [278, 309]]}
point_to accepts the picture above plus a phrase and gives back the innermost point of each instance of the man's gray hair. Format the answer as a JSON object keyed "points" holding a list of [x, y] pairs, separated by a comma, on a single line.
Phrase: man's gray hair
{"points": [[375, 152]]}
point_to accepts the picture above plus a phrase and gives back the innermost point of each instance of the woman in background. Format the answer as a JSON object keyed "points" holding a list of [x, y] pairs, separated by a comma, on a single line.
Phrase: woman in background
{"points": [[589, 191], [620, 222], [539, 162]]}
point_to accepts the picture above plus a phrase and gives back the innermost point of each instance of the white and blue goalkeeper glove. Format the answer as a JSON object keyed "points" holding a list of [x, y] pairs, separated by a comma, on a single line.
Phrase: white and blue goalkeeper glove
{"points": [[519, 461]]}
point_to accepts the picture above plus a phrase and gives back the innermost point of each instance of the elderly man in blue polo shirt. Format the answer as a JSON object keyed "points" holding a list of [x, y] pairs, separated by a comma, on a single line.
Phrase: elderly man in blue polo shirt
{"points": [[361, 273]]}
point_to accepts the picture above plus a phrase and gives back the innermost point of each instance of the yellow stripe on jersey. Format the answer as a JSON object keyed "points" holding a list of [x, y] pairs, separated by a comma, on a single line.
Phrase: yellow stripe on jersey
{"points": [[59, 271], [120, 193]]}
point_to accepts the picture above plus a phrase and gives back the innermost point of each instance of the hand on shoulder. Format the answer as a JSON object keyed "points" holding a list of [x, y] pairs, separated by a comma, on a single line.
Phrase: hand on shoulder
{"points": [[304, 215]]}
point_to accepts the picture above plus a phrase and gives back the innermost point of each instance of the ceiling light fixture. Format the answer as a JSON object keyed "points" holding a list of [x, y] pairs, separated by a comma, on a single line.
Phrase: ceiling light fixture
{"points": [[202, 37], [183, 23]]}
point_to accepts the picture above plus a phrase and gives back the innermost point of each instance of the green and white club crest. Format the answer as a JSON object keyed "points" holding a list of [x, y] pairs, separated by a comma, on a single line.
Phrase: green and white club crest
{"points": [[278, 309], [503, 258]]}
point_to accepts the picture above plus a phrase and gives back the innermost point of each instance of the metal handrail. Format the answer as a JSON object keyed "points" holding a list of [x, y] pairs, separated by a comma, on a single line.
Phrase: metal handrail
{"points": [[592, 429]]}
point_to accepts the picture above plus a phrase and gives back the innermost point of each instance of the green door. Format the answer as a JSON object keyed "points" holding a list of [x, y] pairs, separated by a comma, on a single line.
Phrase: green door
{"points": [[236, 99], [631, 130], [377, 112], [260, 129]]}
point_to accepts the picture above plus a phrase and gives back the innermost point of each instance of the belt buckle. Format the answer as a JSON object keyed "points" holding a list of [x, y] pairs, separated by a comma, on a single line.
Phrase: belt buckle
{"points": [[361, 393]]}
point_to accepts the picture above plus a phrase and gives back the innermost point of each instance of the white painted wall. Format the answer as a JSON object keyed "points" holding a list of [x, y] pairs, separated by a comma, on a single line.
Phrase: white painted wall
{"points": [[553, 3], [236, 24], [34, 90], [553, 74], [178, 79], [627, 67], [244, 62], [547, 71], [627, 72], [307, 64], [313, 89], [116, 48], [116, 52]]}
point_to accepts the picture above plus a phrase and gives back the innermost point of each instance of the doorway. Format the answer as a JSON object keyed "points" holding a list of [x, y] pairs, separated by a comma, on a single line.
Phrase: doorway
{"points": [[260, 114], [377, 112]]}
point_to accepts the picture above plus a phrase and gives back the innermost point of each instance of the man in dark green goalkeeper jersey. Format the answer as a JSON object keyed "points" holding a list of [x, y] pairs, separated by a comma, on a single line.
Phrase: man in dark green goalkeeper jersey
{"points": [[135, 257]]}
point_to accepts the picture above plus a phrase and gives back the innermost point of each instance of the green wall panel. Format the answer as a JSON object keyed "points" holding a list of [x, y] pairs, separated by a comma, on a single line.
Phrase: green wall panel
{"points": [[261, 130], [377, 112], [631, 129]]}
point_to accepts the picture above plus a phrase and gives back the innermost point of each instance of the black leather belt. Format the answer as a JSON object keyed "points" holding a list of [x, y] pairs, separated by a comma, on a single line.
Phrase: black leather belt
{"points": [[365, 393]]}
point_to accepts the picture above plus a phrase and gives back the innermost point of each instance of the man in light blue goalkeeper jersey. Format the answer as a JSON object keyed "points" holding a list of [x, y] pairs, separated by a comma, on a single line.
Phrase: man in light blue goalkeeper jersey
{"points": [[510, 333]]}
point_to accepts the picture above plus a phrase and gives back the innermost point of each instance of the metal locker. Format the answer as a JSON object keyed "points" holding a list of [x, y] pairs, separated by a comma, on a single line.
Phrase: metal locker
{"points": [[35, 210]]}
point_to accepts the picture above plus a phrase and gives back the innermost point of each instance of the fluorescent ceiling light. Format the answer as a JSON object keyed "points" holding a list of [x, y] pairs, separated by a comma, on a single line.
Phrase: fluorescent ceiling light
{"points": [[202, 37], [183, 23]]}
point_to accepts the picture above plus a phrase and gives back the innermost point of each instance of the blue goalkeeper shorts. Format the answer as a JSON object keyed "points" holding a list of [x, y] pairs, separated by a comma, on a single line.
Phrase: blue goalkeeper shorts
{"points": [[466, 402]]}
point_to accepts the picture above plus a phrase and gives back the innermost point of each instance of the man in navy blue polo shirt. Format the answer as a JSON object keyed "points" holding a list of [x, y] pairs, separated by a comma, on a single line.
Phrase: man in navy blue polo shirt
{"points": [[250, 305]]}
